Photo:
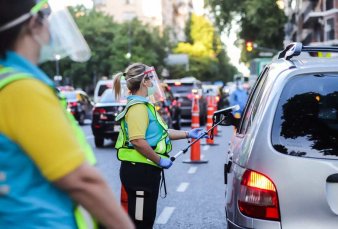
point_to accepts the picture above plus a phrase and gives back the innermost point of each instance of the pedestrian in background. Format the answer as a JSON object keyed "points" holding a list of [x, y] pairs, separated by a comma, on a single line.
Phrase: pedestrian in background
{"points": [[44, 160], [238, 97], [144, 142]]}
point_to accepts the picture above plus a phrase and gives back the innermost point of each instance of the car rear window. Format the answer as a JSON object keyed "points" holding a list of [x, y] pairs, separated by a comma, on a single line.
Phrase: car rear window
{"points": [[182, 88], [109, 97], [69, 95], [306, 119]]}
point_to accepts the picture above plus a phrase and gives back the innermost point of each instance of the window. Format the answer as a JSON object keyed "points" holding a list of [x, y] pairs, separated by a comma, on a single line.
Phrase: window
{"points": [[306, 119], [329, 29], [128, 2], [253, 102], [329, 4]]}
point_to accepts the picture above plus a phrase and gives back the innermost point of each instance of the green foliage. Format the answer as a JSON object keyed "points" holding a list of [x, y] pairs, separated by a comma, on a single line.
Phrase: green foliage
{"points": [[208, 61], [262, 22], [109, 43]]}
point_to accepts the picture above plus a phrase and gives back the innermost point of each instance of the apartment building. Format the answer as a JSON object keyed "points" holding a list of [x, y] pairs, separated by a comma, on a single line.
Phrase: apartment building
{"points": [[171, 14], [312, 22]]}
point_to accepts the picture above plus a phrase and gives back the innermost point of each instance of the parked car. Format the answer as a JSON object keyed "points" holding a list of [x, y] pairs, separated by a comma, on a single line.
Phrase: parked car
{"points": [[105, 111], [79, 104], [173, 106], [101, 87], [283, 160], [184, 90]]}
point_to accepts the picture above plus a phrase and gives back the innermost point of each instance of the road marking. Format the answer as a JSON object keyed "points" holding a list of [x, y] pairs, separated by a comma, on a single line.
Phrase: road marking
{"points": [[192, 170], [205, 148], [165, 215], [182, 187], [90, 137]]}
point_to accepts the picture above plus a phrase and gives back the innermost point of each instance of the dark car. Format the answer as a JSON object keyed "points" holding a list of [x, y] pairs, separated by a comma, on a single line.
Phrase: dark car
{"points": [[79, 104], [105, 111], [184, 91], [172, 106]]}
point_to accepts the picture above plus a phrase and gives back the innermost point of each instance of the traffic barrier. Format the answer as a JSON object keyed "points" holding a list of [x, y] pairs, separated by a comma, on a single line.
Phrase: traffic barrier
{"points": [[195, 150], [210, 112], [124, 198]]}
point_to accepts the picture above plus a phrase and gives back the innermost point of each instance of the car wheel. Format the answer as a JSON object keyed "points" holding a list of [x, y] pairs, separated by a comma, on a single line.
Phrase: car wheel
{"points": [[203, 120], [82, 118], [177, 125], [114, 138], [99, 142]]}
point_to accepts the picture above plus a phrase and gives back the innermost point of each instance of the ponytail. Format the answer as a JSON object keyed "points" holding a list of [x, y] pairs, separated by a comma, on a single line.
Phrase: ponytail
{"points": [[117, 85]]}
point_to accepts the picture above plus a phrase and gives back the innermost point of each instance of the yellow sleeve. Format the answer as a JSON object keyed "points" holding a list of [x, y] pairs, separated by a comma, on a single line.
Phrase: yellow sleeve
{"points": [[32, 116], [137, 120]]}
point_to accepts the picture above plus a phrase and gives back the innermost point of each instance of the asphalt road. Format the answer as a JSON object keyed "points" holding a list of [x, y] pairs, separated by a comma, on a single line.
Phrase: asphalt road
{"points": [[195, 196]]}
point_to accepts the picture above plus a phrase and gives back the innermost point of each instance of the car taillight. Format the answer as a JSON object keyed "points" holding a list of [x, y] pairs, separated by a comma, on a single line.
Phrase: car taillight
{"points": [[258, 197], [98, 111], [190, 96], [72, 104]]}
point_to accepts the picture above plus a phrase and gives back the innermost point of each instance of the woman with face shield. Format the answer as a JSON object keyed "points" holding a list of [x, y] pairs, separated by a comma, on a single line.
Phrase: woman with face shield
{"points": [[45, 171], [144, 142]]}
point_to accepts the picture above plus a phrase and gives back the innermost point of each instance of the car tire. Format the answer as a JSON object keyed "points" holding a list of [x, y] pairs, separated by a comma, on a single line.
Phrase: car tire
{"points": [[177, 125], [99, 142], [82, 118]]}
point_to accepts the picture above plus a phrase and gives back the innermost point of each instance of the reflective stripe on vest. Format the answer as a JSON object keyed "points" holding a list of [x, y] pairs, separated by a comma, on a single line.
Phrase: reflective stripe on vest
{"points": [[82, 218], [127, 153]]}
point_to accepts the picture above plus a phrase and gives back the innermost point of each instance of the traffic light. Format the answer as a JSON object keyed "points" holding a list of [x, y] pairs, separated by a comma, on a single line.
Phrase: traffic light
{"points": [[249, 46]]}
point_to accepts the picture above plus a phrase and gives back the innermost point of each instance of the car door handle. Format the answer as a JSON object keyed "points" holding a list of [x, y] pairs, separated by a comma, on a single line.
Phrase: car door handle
{"points": [[332, 178]]}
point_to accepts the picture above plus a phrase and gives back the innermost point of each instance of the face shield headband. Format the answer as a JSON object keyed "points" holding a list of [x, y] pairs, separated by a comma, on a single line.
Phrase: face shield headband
{"points": [[41, 7]]}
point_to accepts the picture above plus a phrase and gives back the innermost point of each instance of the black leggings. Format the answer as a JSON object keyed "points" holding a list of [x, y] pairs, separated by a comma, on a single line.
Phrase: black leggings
{"points": [[141, 182]]}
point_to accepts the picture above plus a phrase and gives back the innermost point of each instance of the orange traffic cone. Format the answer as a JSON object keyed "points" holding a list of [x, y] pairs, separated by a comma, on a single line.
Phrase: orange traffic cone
{"points": [[195, 150], [214, 104], [124, 198]]}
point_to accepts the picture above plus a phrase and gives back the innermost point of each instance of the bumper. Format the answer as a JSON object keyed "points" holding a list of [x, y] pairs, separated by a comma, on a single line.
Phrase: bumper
{"points": [[233, 226]]}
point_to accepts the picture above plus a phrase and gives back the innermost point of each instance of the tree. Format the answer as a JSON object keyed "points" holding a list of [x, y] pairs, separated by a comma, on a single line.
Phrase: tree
{"points": [[109, 43], [262, 22], [207, 57]]}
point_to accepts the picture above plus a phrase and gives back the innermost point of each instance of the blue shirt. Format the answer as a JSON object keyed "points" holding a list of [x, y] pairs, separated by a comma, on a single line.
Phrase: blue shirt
{"points": [[154, 130]]}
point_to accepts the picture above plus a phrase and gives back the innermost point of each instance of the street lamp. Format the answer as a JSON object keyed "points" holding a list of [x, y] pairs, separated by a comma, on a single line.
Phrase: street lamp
{"points": [[57, 77]]}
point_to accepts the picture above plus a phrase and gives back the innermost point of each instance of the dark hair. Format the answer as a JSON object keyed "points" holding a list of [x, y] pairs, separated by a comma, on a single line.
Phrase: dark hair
{"points": [[9, 11]]}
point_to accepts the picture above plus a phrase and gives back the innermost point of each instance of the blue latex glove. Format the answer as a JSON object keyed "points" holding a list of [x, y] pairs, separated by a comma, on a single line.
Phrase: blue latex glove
{"points": [[196, 133], [165, 163]]}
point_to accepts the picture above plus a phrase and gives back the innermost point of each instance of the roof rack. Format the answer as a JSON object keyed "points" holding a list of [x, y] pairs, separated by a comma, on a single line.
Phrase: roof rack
{"points": [[295, 49]]}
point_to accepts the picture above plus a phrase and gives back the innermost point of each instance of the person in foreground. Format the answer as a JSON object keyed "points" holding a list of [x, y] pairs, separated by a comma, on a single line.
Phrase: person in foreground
{"points": [[45, 171], [144, 143]]}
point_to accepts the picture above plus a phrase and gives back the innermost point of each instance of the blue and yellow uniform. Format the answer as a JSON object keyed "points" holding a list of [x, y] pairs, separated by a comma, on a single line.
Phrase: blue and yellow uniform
{"points": [[140, 176], [38, 145]]}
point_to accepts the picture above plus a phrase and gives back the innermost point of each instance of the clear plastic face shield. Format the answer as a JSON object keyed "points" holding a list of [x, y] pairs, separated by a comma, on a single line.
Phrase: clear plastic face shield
{"points": [[157, 94], [65, 37]]}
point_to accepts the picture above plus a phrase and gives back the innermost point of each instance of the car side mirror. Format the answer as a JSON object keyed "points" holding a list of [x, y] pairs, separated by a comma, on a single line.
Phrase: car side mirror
{"points": [[225, 117]]}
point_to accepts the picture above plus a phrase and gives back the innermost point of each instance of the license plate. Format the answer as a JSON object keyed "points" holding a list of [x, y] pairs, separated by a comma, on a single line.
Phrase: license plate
{"points": [[117, 128]]}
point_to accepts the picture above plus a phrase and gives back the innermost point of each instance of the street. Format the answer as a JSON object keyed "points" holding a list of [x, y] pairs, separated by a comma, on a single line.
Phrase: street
{"points": [[195, 196]]}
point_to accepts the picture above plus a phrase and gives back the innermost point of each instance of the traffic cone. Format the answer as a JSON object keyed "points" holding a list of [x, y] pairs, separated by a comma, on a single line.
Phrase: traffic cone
{"points": [[195, 150], [214, 104], [210, 112], [124, 198]]}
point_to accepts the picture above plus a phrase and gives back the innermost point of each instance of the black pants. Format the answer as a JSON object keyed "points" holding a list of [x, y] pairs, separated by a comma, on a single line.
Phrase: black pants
{"points": [[141, 182]]}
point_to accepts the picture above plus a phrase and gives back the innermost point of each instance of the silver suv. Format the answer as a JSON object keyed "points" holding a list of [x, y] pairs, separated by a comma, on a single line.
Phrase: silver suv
{"points": [[282, 169]]}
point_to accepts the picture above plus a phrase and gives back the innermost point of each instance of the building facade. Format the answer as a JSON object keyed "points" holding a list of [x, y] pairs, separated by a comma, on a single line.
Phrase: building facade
{"points": [[312, 22], [172, 14]]}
